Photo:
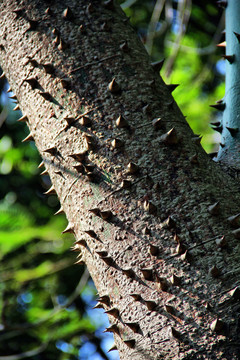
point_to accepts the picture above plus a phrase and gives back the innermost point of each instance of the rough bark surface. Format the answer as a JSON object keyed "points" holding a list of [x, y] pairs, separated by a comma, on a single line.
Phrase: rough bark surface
{"points": [[149, 210]]}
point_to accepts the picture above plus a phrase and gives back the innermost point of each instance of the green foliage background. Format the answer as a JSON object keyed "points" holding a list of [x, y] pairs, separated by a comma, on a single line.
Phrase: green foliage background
{"points": [[45, 299]]}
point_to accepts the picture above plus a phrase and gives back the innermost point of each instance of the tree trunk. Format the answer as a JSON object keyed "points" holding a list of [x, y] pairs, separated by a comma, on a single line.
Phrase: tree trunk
{"points": [[153, 216]]}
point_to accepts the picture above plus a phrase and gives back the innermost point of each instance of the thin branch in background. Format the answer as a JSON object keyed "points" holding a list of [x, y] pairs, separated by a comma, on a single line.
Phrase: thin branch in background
{"points": [[26, 354], [3, 116], [127, 4], [153, 24], [183, 11]]}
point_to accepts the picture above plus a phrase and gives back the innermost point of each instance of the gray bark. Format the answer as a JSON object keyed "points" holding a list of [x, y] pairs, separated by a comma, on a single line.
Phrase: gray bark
{"points": [[156, 235]]}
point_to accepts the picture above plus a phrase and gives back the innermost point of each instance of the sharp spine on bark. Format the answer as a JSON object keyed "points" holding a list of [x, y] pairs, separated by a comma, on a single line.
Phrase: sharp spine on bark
{"points": [[169, 309], [235, 293], [106, 214], [233, 131], [102, 253], [52, 150], [236, 233], [117, 143], [23, 118], [85, 121], [147, 273], [126, 184], [113, 311], [45, 95], [79, 156], [105, 299], [129, 272], [172, 87], [28, 138], [197, 139], [221, 242], [237, 36], [60, 211], [150, 304], [130, 343], [194, 159], [9, 90], [108, 260], [163, 284], [121, 122], [214, 271], [222, 145], [113, 329], [44, 172], [67, 14], [219, 106], [137, 297], [41, 164], [48, 11], [149, 207], [170, 138], [157, 123], [234, 220], [153, 249], [91, 141], [229, 58], [105, 27], [216, 124], [217, 325], [18, 12], [222, 44], [81, 242], [180, 249], [79, 168], [124, 46], [214, 209], [68, 229], [218, 129], [32, 24], [186, 256], [114, 87], [49, 68], [109, 4], [13, 97], [62, 45], [134, 327], [2, 76], [175, 280], [132, 168], [33, 83], [16, 108], [95, 211], [114, 347], [98, 306], [56, 41], [90, 8], [146, 109], [65, 83], [50, 191], [91, 233], [157, 66], [69, 119], [175, 334], [170, 223]]}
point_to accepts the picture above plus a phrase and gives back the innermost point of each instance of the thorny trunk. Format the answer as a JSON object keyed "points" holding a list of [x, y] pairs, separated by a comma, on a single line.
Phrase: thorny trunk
{"points": [[230, 141], [151, 213]]}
